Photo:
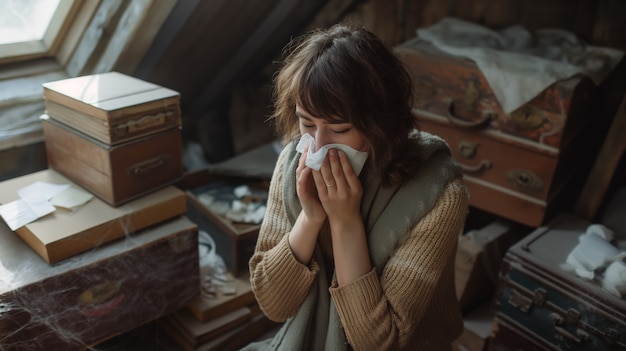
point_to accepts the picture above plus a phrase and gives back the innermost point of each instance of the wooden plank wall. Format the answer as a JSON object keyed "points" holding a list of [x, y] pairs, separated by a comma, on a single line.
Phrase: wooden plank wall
{"points": [[597, 22]]}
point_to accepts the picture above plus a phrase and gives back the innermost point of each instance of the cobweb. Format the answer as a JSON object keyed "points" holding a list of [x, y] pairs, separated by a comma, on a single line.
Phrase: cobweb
{"points": [[85, 299]]}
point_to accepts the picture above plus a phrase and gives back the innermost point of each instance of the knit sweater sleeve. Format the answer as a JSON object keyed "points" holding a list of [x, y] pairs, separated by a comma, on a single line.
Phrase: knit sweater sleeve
{"points": [[279, 281], [386, 312]]}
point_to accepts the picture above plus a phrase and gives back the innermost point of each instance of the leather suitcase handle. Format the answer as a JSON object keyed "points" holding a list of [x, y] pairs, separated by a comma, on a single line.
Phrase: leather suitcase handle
{"points": [[145, 122], [480, 124]]}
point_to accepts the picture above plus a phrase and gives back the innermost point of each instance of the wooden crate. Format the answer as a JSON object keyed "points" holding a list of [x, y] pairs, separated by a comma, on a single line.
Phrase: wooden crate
{"points": [[235, 241]]}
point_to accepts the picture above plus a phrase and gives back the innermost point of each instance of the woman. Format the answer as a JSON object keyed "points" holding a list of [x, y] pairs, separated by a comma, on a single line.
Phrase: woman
{"points": [[357, 261]]}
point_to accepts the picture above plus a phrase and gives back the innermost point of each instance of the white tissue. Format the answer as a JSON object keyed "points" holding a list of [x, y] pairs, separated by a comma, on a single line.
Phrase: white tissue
{"points": [[314, 159], [592, 252], [615, 278]]}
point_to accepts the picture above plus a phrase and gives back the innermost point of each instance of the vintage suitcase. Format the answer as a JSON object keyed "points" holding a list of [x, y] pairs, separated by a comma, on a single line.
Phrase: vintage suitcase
{"points": [[542, 306], [111, 290], [454, 88], [119, 173], [112, 107], [518, 165], [65, 233]]}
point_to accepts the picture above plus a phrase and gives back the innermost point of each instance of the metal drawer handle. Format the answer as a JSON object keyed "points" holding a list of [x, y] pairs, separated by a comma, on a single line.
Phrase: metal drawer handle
{"points": [[147, 166], [481, 166], [556, 318], [519, 301], [467, 149], [524, 180], [480, 124]]}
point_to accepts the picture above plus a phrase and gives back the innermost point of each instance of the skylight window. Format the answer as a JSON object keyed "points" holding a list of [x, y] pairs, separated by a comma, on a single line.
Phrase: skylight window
{"points": [[25, 20], [30, 27]]}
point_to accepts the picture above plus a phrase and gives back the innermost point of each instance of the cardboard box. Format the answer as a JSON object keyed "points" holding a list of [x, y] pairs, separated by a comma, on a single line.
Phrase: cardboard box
{"points": [[94, 296], [64, 233]]}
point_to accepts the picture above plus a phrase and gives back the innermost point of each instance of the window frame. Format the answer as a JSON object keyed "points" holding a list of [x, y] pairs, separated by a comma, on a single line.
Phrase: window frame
{"points": [[94, 37], [64, 15]]}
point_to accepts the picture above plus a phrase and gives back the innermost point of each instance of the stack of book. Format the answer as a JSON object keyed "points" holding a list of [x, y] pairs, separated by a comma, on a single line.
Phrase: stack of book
{"points": [[115, 135], [225, 319]]}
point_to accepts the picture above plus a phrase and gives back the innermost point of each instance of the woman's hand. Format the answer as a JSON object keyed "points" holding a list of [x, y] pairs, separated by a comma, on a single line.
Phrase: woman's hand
{"points": [[307, 192], [340, 193], [339, 188]]}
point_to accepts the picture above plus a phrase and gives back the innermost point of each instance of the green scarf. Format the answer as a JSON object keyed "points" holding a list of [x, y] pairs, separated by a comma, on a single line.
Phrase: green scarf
{"points": [[316, 326]]}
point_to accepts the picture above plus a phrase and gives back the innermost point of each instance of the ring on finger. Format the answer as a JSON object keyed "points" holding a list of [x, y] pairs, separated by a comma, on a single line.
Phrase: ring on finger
{"points": [[330, 185]]}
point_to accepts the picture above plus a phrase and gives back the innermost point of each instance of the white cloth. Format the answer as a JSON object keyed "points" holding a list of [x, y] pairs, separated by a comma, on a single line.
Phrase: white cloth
{"points": [[314, 159], [518, 64]]}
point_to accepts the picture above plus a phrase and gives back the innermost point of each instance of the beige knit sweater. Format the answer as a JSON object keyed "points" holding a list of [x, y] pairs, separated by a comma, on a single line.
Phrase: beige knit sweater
{"points": [[412, 305]]}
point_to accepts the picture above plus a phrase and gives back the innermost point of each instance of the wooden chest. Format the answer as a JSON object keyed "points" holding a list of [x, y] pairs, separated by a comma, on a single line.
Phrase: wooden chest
{"points": [[517, 165], [118, 173], [108, 291], [112, 107], [546, 308]]}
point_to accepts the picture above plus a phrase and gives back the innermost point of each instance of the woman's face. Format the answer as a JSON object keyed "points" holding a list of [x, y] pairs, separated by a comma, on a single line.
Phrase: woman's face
{"points": [[326, 132]]}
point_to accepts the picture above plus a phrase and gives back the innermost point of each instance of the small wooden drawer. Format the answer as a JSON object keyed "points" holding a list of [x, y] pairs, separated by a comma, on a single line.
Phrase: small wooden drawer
{"points": [[512, 182], [511, 168], [119, 173]]}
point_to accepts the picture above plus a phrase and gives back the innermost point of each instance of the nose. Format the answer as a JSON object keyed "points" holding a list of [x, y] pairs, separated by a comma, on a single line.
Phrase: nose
{"points": [[321, 139]]}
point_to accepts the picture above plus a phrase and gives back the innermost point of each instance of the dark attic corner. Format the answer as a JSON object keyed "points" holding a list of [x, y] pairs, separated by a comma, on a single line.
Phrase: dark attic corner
{"points": [[136, 157]]}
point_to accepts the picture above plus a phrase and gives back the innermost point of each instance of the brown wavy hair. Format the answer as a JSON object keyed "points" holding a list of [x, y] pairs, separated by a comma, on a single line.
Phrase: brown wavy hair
{"points": [[345, 73]]}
